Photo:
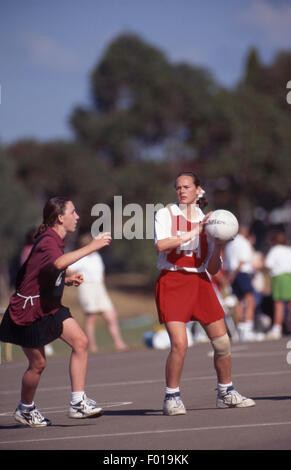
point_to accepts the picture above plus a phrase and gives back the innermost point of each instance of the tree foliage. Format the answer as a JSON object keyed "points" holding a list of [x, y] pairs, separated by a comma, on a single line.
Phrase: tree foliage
{"points": [[141, 101], [150, 119], [18, 210]]}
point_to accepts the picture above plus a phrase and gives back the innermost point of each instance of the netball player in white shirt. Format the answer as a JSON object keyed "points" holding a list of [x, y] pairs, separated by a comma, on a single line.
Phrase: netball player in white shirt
{"points": [[184, 291]]}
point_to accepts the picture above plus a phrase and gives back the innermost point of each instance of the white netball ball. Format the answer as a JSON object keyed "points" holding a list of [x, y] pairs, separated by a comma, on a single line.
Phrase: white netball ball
{"points": [[222, 225]]}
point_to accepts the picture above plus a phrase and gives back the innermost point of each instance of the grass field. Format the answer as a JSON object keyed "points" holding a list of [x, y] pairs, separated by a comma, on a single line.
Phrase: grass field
{"points": [[133, 298]]}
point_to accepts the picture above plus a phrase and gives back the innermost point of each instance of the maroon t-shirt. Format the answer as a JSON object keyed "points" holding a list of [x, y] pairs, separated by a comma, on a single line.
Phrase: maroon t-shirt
{"points": [[39, 285]]}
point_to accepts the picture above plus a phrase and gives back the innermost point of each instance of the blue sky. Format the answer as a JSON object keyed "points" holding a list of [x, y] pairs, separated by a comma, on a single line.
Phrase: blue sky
{"points": [[49, 48]]}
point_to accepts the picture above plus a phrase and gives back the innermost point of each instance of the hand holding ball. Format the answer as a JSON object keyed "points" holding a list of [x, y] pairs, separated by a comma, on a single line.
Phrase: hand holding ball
{"points": [[222, 226]]}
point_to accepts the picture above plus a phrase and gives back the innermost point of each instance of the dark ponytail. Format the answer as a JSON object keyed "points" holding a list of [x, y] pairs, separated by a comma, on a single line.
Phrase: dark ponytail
{"points": [[53, 208], [42, 228]]}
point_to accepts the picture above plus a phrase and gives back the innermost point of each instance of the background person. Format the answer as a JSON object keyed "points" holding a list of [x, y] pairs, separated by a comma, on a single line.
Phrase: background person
{"points": [[35, 315], [278, 262], [94, 298], [238, 263]]}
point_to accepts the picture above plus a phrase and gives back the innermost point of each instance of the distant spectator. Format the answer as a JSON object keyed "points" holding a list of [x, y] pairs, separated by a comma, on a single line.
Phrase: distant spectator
{"points": [[278, 261], [238, 259], [94, 298]]}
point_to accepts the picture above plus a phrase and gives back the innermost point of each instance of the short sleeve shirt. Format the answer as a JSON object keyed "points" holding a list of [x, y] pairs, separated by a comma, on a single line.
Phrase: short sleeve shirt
{"points": [[278, 260], [91, 267], [37, 280], [239, 251]]}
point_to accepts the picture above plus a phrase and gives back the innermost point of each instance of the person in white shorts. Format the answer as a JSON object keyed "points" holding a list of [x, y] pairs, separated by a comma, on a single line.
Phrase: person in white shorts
{"points": [[94, 298], [278, 262], [238, 263]]}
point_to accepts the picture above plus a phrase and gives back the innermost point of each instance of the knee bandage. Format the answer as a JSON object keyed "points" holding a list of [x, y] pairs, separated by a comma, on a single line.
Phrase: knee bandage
{"points": [[221, 346]]}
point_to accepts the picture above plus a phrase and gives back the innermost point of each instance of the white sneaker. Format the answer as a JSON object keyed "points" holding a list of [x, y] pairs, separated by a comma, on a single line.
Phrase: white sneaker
{"points": [[274, 334], [233, 399], [49, 350], [253, 336], [173, 405], [248, 335], [32, 418], [84, 409]]}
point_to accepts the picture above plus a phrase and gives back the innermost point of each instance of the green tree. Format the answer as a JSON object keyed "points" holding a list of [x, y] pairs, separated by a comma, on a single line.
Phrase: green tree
{"points": [[142, 104], [254, 70], [268, 80], [254, 160], [19, 212], [150, 119], [63, 168]]}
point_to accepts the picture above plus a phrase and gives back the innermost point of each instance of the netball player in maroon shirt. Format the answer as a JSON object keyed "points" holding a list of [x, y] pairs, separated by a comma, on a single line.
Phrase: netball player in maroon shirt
{"points": [[35, 315], [184, 291]]}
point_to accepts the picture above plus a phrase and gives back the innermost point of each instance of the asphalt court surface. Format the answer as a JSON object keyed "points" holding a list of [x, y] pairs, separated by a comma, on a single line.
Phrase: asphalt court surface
{"points": [[130, 388]]}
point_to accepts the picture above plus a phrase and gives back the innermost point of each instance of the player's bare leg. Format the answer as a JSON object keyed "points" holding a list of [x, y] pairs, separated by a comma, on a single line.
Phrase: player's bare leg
{"points": [[173, 404], [90, 325], [111, 319], [76, 338], [227, 396], [81, 406], [175, 362], [26, 413], [31, 377], [222, 364]]}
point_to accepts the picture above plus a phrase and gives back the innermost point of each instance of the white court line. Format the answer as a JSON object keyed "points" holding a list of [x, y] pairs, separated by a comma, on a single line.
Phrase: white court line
{"points": [[153, 381], [236, 354], [60, 409], [155, 431], [260, 354]]}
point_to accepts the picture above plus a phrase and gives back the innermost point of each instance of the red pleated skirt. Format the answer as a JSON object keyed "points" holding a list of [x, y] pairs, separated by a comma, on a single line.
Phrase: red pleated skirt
{"points": [[183, 296]]}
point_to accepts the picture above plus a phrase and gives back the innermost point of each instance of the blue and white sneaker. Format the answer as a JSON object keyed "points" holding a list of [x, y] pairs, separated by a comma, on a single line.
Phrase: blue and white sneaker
{"points": [[84, 409], [31, 417], [173, 405], [233, 399]]}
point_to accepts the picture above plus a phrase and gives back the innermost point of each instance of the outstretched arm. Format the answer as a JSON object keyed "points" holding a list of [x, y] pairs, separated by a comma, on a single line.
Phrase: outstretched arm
{"points": [[103, 239]]}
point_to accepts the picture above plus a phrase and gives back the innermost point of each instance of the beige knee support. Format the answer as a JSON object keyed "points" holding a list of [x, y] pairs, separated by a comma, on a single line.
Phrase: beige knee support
{"points": [[221, 346]]}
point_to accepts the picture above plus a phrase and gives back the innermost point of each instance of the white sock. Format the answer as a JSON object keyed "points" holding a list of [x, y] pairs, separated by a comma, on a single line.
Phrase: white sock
{"points": [[277, 328], [170, 391], [249, 324], [77, 397], [222, 388], [25, 406]]}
